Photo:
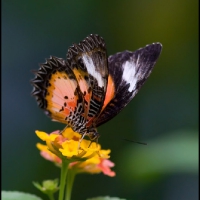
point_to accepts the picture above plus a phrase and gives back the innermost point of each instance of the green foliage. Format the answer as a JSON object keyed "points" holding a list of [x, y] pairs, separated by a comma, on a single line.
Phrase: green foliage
{"points": [[48, 186], [175, 152], [15, 195]]}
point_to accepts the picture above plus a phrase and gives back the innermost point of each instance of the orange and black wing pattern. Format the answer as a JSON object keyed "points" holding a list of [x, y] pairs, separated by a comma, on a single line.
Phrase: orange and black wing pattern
{"points": [[88, 61], [73, 91], [57, 92], [88, 89]]}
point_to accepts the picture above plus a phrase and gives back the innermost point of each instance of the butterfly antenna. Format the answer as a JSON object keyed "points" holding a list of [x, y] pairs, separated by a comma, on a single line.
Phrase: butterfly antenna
{"points": [[144, 143]]}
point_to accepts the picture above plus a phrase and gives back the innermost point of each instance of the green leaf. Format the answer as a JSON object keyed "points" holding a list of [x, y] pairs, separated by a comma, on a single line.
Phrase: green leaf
{"points": [[175, 152], [105, 198], [15, 195]]}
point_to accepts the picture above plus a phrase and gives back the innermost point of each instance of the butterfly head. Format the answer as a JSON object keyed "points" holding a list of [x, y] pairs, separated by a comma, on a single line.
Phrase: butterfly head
{"points": [[93, 135]]}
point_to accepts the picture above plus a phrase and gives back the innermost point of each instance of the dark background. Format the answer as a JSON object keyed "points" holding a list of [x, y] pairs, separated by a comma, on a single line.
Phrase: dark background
{"points": [[163, 114]]}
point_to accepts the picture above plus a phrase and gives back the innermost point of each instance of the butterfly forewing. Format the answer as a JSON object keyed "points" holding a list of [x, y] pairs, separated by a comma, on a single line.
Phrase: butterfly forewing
{"points": [[128, 71], [88, 61]]}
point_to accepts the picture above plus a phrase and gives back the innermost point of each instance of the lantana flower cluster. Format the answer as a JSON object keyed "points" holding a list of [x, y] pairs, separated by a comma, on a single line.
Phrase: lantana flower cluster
{"points": [[84, 156]]}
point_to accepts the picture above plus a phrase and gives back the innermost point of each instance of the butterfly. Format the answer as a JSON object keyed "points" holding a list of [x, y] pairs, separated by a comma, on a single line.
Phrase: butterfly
{"points": [[88, 88]]}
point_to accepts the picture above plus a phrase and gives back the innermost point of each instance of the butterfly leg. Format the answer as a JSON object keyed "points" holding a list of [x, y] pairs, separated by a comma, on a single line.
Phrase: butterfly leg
{"points": [[84, 134]]}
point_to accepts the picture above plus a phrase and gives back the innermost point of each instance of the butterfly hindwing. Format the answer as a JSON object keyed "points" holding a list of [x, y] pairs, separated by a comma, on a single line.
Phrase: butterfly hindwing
{"points": [[128, 71], [88, 61], [57, 92]]}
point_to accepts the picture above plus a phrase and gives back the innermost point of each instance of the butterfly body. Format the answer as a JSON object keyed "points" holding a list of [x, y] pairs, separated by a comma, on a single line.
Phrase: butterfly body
{"points": [[88, 89]]}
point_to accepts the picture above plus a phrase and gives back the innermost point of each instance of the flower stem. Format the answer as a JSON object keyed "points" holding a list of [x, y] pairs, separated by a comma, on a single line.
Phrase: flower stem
{"points": [[63, 176], [51, 197], [70, 180]]}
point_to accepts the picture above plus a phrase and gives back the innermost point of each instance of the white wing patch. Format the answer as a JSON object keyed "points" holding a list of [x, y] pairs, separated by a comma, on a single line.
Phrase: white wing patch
{"points": [[91, 70], [129, 74]]}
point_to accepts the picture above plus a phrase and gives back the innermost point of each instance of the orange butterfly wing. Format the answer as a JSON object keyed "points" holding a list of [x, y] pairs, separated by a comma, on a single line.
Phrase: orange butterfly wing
{"points": [[57, 92]]}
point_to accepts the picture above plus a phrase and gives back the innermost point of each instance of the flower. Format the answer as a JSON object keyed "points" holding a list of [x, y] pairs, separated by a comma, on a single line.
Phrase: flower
{"points": [[69, 145], [48, 155], [94, 165], [85, 156]]}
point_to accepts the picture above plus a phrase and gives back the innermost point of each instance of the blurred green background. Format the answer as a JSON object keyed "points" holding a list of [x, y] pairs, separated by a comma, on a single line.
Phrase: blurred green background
{"points": [[163, 114]]}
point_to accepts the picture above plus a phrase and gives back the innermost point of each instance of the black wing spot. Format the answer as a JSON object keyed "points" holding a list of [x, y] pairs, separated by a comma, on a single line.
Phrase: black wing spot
{"points": [[89, 89], [86, 78], [80, 77], [61, 109], [81, 64], [71, 77]]}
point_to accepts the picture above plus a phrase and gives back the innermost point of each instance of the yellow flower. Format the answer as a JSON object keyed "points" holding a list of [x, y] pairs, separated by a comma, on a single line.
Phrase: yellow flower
{"points": [[68, 144], [85, 156]]}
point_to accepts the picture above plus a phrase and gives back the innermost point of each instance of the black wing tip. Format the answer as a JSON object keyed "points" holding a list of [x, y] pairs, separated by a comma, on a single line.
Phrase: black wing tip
{"points": [[88, 44], [153, 48], [156, 46], [151, 51]]}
